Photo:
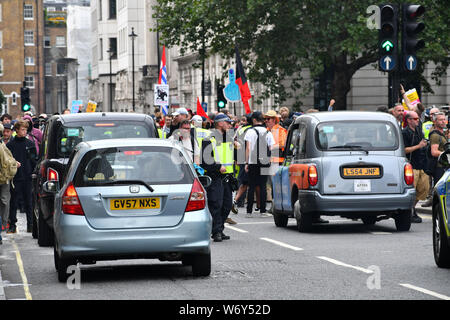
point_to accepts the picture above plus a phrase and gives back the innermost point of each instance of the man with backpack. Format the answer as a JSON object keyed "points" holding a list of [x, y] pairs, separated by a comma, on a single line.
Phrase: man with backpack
{"points": [[24, 151], [8, 169], [259, 143]]}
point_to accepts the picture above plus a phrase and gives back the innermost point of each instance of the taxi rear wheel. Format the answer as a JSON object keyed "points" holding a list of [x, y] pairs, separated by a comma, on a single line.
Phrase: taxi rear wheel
{"points": [[281, 220], [304, 220], [441, 246], [403, 220]]}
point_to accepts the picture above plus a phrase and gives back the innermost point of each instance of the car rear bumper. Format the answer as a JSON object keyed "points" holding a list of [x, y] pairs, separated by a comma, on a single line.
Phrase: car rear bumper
{"points": [[313, 201], [76, 238]]}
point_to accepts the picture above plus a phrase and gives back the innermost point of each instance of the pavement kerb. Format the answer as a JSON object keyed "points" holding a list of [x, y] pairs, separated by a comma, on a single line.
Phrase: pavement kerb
{"points": [[2, 290]]}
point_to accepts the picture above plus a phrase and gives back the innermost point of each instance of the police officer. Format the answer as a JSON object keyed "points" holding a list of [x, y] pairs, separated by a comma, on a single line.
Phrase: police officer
{"points": [[428, 125], [217, 160]]}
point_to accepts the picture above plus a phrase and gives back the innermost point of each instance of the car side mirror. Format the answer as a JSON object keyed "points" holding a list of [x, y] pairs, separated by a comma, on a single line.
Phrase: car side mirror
{"points": [[205, 181], [51, 186]]}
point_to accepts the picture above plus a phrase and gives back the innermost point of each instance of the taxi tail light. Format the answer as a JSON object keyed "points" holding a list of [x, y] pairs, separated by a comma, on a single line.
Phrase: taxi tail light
{"points": [[70, 202], [52, 175], [313, 178], [409, 174], [197, 198]]}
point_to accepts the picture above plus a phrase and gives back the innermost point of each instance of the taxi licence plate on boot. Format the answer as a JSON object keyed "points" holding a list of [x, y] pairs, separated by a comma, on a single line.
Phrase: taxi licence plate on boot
{"points": [[135, 203], [361, 172]]}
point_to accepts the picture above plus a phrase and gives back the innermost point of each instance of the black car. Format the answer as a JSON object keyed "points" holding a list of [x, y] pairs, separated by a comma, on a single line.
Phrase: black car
{"points": [[62, 133]]}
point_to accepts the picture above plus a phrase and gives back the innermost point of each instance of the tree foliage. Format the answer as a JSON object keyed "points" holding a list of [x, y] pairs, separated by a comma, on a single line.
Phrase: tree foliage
{"points": [[280, 39]]}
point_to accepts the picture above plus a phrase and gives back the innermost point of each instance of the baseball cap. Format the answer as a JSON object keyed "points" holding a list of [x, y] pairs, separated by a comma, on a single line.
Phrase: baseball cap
{"points": [[222, 117], [181, 111], [7, 126], [197, 118]]}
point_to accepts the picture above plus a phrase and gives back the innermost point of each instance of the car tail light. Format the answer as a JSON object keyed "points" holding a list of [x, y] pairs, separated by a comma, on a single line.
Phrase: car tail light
{"points": [[409, 174], [312, 175], [52, 175], [197, 199], [70, 202]]}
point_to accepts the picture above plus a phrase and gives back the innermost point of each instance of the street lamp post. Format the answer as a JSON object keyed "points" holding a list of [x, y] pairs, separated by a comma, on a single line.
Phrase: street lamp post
{"points": [[133, 37], [111, 52]]}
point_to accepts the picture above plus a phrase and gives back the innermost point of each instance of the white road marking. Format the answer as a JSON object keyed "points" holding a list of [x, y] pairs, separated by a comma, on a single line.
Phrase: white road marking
{"points": [[342, 264], [282, 244], [429, 292], [236, 229], [380, 232]]}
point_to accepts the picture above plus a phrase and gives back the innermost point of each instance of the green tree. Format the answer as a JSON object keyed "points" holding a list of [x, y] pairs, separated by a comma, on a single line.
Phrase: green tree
{"points": [[279, 40]]}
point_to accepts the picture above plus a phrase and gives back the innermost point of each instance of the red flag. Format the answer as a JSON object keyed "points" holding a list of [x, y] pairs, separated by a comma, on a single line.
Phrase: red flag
{"points": [[200, 110], [241, 81]]}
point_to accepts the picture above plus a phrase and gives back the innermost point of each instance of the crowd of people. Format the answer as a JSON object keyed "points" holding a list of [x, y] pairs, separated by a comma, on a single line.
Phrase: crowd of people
{"points": [[239, 154], [22, 137], [425, 134]]}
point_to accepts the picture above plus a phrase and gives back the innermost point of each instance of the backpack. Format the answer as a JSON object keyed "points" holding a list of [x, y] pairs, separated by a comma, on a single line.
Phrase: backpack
{"points": [[262, 159], [8, 165]]}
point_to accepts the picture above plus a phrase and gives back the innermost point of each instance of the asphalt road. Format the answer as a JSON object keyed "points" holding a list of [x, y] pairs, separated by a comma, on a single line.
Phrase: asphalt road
{"points": [[342, 260]]}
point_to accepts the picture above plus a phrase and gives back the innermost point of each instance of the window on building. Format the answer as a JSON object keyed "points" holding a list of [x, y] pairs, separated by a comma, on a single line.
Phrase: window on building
{"points": [[100, 9], [29, 61], [1, 67], [100, 50], [28, 11], [47, 42], [29, 37], [48, 69], [113, 48], [60, 41], [322, 89], [29, 82], [1, 12], [1, 39], [51, 9], [60, 69], [112, 9]]}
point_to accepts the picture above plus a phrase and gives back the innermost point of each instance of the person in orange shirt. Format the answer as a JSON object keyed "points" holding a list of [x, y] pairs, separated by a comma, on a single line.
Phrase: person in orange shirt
{"points": [[272, 121], [279, 133]]}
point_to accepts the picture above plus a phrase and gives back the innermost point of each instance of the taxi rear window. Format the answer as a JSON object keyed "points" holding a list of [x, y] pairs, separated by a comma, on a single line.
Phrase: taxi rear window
{"points": [[353, 135], [71, 135]]}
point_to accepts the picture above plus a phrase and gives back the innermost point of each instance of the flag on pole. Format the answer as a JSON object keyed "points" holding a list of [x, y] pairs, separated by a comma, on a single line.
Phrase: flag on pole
{"points": [[163, 77], [241, 81], [200, 111]]}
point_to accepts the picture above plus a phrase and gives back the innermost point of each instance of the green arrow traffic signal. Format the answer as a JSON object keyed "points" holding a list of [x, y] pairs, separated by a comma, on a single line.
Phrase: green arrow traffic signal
{"points": [[387, 45]]}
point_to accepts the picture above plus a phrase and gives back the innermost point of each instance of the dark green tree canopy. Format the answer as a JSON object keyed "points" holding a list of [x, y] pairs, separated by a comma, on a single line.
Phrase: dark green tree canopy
{"points": [[280, 39]]}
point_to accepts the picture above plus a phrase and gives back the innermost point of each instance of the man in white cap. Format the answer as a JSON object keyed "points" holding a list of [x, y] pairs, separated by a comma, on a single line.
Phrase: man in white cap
{"points": [[178, 116]]}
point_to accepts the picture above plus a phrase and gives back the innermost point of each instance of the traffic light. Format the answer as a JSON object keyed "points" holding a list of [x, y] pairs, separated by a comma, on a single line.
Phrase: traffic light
{"points": [[221, 101], [25, 99], [388, 37], [410, 31]]}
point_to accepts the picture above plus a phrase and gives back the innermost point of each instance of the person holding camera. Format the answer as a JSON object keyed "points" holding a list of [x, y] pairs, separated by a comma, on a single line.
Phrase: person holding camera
{"points": [[415, 149]]}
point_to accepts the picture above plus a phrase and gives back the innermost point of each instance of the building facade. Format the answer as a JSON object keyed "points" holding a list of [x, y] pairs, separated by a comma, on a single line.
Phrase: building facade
{"points": [[21, 55]]}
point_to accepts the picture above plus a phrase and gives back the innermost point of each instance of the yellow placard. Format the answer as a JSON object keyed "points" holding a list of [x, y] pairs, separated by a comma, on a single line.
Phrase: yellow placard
{"points": [[413, 96], [91, 106]]}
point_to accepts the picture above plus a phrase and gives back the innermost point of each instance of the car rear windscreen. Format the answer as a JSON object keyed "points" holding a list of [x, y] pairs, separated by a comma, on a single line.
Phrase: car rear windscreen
{"points": [[153, 165], [354, 135], [71, 135]]}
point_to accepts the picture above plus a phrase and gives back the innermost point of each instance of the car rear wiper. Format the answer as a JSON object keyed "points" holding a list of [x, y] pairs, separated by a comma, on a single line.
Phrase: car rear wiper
{"points": [[110, 182], [350, 146]]}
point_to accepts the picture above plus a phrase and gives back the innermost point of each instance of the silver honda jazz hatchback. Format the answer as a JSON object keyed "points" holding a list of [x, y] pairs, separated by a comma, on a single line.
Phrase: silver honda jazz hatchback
{"points": [[131, 198]]}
